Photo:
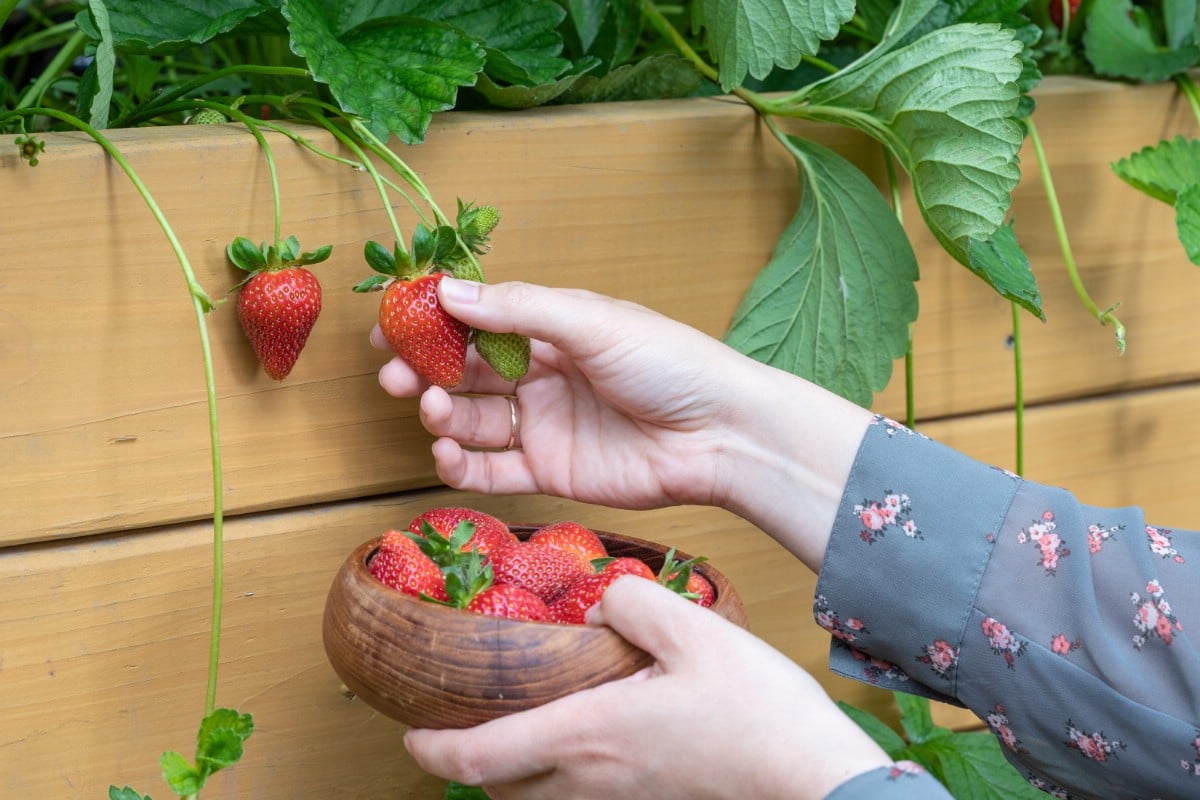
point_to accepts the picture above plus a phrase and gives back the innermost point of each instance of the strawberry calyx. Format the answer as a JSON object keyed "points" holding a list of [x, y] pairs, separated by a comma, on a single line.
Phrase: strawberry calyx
{"points": [[675, 574], [253, 259], [466, 571]]}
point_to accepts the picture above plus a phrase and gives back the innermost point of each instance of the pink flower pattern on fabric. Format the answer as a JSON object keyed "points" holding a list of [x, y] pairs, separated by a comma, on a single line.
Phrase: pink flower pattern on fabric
{"points": [[1059, 643], [893, 510], [1193, 767], [1050, 545], [997, 720], [1002, 641], [1098, 535], [1160, 543], [941, 657], [1095, 745], [904, 769], [1153, 617]]}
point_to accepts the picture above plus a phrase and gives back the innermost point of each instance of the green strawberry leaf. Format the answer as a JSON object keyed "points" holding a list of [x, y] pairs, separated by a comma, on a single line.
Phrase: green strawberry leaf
{"points": [[102, 68], [184, 779], [971, 766], [1002, 263], [663, 75], [521, 37], [219, 744], [836, 300], [518, 97], [1180, 18], [137, 26], [1187, 221], [957, 140], [916, 718], [380, 259], [125, 793], [1120, 42], [757, 37], [891, 742], [393, 71], [246, 255], [1164, 170]]}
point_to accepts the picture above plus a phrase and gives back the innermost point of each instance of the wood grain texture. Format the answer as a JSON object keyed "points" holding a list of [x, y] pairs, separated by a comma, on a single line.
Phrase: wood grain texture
{"points": [[673, 204], [104, 639]]}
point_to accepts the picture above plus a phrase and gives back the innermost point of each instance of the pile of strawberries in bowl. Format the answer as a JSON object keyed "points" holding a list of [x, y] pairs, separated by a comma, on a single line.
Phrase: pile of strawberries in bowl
{"points": [[461, 618], [469, 559]]}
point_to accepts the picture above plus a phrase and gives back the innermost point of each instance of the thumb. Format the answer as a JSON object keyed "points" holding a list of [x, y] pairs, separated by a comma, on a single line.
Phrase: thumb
{"points": [[657, 619], [566, 318]]}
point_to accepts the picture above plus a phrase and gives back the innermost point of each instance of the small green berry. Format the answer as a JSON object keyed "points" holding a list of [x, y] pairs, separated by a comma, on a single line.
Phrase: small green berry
{"points": [[507, 353]]}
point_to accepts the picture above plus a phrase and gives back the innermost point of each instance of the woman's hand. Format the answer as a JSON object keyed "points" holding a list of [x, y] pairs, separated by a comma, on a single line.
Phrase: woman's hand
{"points": [[626, 408], [621, 406], [719, 715]]}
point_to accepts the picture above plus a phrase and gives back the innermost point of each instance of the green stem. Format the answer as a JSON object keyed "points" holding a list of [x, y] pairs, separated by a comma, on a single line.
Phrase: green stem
{"points": [[53, 71], [201, 305], [268, 155], [1018, 388], [35, 41], [1105, 317], [369, 166], [910, 406], [153, 109], [1184, 81], [653, 14]]}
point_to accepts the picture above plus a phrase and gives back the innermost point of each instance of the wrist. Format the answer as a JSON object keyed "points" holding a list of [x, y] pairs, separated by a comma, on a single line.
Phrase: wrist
{"points": [[788, 471]]}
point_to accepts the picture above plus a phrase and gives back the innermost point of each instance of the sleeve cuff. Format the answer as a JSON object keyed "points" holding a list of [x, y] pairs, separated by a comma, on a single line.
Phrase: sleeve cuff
{"points": [[903, 780], [912, 537]]}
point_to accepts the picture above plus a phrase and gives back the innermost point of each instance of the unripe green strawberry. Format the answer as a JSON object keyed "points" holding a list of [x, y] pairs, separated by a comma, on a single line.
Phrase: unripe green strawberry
{"points": [[507, 353], [206, 116]]}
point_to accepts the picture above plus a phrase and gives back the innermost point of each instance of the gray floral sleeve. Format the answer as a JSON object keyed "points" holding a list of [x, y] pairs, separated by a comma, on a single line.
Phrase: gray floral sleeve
{"points": [[1063, 626]]}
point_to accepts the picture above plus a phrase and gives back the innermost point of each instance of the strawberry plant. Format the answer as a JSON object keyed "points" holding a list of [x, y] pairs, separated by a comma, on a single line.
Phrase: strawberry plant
{"points": [[944, 88]]}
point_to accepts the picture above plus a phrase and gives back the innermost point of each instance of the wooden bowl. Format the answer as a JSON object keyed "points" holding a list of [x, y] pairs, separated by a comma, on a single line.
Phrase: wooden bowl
{"points": [[431, 666]]}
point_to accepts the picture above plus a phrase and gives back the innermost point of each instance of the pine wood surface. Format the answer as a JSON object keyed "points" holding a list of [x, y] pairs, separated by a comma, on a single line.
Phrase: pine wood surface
{"points": [[105, 638], [673, 204], [104, 548]]}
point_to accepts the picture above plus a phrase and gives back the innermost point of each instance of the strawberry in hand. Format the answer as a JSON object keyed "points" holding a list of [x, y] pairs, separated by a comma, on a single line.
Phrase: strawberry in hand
{"points": [[410, 315], [279, 301]]}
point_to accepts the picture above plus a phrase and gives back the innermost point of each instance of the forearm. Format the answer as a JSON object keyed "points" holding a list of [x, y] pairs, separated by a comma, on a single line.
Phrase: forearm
{"points": [[786, 470]]}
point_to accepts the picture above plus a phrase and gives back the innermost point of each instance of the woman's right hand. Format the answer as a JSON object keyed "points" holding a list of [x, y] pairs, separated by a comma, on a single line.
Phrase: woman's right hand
{"points": [[626, 408]]}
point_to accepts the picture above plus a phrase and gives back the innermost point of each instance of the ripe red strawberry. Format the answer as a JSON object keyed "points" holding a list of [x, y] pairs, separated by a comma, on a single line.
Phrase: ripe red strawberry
{"points": [[627, 565], [571, 606], [400, 564], [1055, 7], [544, 571], [489, 530], [280, 300], [512, 602], [572, 537], [422, 333]]}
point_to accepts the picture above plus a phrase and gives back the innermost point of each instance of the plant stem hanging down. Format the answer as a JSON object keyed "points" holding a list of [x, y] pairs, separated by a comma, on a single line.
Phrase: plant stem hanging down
{"points": [[1105, 317]]}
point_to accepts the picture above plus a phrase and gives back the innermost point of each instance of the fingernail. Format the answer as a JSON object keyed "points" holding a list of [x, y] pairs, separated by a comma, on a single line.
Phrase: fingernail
{"points": [[460, 291]]}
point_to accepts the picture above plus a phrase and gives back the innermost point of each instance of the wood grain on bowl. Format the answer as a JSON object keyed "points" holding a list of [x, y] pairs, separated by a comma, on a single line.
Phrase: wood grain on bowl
{"points": [[431, 666]]}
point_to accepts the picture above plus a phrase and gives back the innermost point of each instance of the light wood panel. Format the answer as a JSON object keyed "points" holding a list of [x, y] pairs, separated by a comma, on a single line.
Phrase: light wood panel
{"points": [[105, 638], [673, 204]]}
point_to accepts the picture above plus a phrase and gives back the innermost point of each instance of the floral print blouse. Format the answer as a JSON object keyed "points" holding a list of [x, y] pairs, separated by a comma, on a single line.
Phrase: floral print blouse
{"points": [[1063, 626]]}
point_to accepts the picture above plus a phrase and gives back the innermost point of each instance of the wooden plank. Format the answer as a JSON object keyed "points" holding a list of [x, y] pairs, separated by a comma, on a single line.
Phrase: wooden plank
{"points": [[674, 204], [105, 638]]}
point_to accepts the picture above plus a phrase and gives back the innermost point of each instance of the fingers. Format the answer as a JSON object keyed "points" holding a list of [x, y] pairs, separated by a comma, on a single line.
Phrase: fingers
{"points": [[490, 421], [508, 749], [570, 319], [658, 620]]}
